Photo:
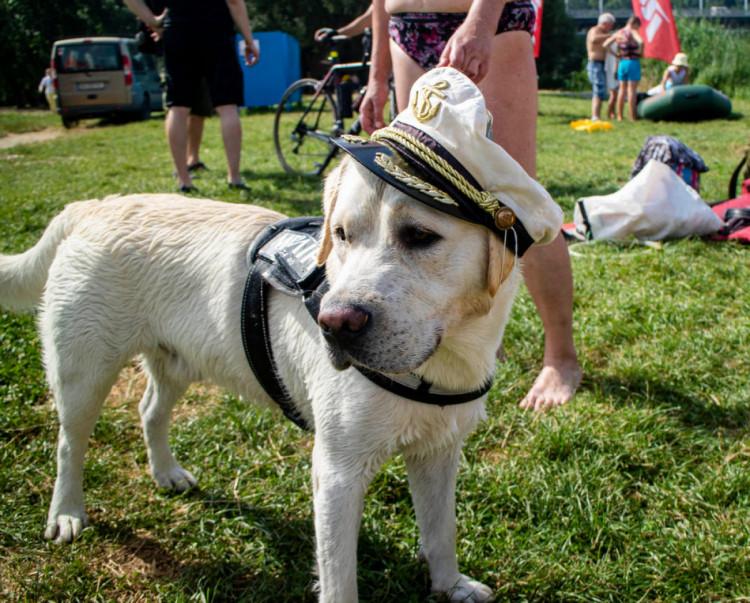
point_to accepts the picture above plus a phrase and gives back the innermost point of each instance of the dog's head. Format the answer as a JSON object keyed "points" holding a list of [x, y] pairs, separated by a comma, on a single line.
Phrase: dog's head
{"points": [[424, 225], [403, 276]]}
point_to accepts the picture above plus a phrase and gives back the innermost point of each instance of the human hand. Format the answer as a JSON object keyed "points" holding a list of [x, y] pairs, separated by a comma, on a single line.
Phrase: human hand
{"points": [[324, 33], [252, 52], [371, 108], [469, 50], [157, 26]]}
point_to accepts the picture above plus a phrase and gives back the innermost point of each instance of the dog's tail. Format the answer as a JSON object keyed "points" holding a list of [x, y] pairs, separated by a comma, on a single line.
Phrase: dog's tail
{"points": [[23, 276]]}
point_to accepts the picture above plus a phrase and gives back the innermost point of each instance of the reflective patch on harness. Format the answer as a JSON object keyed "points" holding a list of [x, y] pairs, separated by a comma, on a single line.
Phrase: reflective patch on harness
{"points": [[288, 259]]}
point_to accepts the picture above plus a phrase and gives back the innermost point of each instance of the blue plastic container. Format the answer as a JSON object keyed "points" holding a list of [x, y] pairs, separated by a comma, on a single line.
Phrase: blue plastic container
{"points": [[278, 68]]}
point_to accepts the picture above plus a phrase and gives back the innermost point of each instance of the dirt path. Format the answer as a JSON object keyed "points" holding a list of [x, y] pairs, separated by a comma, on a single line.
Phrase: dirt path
{"points": [[11, 140]]}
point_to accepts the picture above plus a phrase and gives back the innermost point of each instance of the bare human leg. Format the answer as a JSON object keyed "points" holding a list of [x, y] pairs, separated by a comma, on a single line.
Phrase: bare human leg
{"points": [[621, 94], [633, 99], [596, 107], [231, 134], [176, 126], [195, 135], [611, 104], [511, 94]]}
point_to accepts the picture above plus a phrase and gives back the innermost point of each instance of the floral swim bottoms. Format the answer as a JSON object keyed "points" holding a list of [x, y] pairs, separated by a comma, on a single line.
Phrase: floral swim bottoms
{"points": [[423, 36]]}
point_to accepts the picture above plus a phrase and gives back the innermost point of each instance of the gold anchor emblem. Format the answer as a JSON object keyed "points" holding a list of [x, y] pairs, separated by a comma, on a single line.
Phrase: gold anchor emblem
{"points": [[422, 105]]}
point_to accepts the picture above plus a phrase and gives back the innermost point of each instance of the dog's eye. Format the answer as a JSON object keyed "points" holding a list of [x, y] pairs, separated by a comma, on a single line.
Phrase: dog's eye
{"points": [[339, 233], [415, 236]]}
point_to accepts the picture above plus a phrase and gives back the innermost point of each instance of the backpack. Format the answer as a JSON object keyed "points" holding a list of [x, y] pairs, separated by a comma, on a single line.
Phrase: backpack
{"points": [[683, 160]]}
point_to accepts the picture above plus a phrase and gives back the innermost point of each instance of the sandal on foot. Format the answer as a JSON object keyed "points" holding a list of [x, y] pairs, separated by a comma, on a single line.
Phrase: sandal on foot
{"points": [[186, 190], [198, 166], [238, 186]]}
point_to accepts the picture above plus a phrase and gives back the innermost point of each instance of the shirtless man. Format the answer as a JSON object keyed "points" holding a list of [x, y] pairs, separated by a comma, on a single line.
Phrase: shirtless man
{"points": [[488, 40], [597, 52]]}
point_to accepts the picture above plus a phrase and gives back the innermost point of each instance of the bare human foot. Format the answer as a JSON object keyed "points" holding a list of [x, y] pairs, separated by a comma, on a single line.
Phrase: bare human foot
{"points": [[555, 385]]}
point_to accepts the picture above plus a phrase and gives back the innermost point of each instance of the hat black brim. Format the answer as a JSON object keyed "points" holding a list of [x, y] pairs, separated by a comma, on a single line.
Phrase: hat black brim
{"points": [[366, 151]]}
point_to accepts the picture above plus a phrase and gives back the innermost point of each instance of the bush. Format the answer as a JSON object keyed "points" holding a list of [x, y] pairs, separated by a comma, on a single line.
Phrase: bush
{"points": [[718, 56]]}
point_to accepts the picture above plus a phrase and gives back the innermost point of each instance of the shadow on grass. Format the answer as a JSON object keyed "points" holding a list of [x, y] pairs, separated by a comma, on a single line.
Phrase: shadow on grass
{"points": [[284, 570], [689, 408]]}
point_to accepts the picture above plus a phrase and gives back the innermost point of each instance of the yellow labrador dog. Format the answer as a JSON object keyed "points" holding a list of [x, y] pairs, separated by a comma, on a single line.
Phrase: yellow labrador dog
{"points": [[413, 294]]}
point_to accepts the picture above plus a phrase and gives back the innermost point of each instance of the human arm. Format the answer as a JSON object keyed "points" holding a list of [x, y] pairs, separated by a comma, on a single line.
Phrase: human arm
{"points": [[610, 40], [664, 79], [470, 47], [351, 29], [373, 103], [238, 10], [144, 13]]}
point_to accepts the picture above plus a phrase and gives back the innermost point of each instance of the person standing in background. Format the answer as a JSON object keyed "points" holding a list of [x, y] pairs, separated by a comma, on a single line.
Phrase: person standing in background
{"points": [[610, 69], [199, 42], [200, 108], [597, 54], [629, 50], [47, 86]]}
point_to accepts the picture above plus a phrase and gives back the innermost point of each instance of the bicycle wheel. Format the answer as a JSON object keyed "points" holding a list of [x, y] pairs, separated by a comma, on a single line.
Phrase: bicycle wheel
{"points": [[302, 128]]}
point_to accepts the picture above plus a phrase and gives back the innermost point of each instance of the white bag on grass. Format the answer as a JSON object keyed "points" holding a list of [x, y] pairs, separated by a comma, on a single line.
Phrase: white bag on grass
{"points": [[655, 205]]}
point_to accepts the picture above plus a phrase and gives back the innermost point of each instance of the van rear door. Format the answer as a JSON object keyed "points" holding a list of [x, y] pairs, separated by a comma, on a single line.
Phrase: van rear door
{"points": [[90, 73]]}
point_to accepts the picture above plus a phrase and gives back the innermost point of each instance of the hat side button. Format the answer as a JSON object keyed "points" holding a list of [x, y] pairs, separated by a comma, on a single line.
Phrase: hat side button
{"points": [[504, 218]]}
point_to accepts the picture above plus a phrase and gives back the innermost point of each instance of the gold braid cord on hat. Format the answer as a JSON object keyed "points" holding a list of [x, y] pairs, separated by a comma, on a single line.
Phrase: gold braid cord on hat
{"points": [[412, 181], [482, 198]]}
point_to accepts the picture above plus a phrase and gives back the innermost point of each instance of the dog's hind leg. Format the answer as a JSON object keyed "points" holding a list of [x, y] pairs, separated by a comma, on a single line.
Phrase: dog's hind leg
{"points": [[165, 387], [80, 387], [432, 480]]}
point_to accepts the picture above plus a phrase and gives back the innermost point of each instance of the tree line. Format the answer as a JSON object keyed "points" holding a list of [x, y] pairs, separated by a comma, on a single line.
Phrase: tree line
{"points": [[28, 29]]}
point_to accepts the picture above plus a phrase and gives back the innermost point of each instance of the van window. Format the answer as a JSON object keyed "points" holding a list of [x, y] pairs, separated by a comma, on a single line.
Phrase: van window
{"points": [[76, 58]]}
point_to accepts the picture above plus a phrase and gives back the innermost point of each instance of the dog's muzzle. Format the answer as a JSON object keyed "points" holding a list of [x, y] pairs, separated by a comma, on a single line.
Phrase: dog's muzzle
{"points": [[343, 326]]}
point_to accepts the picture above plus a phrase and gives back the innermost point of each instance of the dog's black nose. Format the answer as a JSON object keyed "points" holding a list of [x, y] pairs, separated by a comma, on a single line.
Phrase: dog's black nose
{"points": [[342, 323]]}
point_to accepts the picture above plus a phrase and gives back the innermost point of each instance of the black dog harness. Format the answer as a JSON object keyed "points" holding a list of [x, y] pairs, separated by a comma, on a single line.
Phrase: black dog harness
{"points": [[284, 256]]}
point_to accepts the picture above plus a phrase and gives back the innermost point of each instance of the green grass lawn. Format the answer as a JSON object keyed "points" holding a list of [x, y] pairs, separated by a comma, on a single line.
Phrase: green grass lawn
{"points": [[638, 490]]}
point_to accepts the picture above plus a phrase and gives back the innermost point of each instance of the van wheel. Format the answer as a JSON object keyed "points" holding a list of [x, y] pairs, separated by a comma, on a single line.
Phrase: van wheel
{"points": [[69, 122], [145, 113]]}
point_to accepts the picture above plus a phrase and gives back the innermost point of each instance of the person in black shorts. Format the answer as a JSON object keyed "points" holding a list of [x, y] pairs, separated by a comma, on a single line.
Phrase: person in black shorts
{"points": [[198, 37], [201, 106]]}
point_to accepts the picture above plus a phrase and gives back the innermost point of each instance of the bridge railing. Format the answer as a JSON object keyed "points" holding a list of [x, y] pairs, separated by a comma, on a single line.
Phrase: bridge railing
{"points": [[586, 9]]}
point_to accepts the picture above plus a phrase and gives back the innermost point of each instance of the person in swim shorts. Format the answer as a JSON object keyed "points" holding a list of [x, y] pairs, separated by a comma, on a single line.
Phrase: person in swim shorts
{"points": [[629, 50], [489, 41], [597, 54]]}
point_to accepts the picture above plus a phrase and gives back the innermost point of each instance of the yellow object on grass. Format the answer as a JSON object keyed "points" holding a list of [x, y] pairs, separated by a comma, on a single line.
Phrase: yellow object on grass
{"points": [[586, 125]]}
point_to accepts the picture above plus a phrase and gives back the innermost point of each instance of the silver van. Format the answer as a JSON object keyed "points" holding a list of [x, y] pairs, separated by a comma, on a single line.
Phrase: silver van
{"points": [[104, 77]]}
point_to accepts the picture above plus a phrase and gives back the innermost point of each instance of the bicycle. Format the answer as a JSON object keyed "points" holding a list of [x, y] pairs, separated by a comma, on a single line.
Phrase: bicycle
{"points": [[308, 117]]}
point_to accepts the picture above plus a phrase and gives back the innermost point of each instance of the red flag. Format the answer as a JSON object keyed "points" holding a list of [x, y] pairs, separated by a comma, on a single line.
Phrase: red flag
{"points": [[536, 37], [658, 29]]}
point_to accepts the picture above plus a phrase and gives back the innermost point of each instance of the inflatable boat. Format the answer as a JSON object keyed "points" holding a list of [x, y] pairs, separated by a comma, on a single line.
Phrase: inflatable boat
{"points": [[685, 103]]}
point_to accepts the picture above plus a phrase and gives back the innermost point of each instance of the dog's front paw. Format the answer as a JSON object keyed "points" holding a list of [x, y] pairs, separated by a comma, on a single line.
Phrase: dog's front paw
{"points": [[467, 590], [175, 478], [66, 527]]}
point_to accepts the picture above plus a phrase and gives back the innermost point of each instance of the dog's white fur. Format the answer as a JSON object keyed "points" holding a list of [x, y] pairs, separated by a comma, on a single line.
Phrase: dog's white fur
{"points": [[162, 276]]}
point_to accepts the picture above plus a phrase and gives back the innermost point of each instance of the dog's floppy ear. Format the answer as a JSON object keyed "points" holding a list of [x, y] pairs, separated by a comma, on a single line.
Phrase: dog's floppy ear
{"points": [[499, 264], [330, 193]]}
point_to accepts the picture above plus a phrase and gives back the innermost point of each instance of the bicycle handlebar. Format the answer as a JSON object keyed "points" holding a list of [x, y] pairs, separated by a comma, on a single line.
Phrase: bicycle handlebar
{"points": [[332, 38]]}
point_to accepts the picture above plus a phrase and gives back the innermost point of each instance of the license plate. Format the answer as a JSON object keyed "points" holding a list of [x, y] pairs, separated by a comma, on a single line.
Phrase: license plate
{"points": [[91, 86]]}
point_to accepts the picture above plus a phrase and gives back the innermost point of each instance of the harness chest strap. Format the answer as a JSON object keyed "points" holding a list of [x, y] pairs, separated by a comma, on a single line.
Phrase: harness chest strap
{"points": [[283, 256]]}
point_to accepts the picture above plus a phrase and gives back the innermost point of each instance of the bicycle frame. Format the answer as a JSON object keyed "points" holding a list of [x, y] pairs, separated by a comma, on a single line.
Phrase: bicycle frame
{"points": [[328, 83], [316, 107]]}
